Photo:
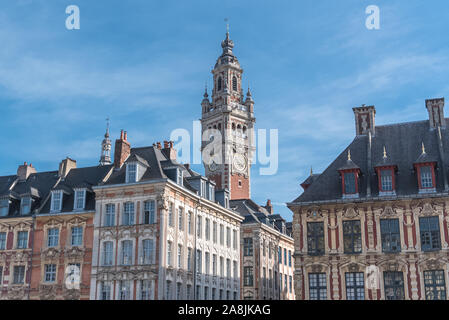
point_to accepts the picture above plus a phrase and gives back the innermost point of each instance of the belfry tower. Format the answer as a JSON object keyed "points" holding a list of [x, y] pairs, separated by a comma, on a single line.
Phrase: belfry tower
{"points": [[106, 146], [233, 116]]}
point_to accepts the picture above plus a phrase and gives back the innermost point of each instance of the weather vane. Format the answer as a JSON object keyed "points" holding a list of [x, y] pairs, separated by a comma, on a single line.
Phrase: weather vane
{"points": [[227, 24]]}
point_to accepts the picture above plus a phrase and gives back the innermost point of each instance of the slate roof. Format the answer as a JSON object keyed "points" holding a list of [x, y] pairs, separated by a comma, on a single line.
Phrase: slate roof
{"points": [[254, 213], [86, 178], [403, 143]]}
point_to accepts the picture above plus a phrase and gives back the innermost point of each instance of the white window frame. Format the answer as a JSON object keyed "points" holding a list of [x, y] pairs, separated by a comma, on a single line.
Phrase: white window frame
{"points": [[22, 205], [53, 199], [128, 172], [75, 200]]}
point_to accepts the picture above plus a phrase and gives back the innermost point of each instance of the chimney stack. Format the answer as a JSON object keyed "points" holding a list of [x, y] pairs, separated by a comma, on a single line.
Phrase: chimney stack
{"points": [[269, 206], [122, 150], [435, 108], [65, 166], [158, 144], [24, 171], [169, 151], [364, 120]]}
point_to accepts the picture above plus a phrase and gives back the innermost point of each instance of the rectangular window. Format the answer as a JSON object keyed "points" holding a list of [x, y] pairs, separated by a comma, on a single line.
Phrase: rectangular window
{"points": [[131, 172], [352, 236], [429, 228], [203, 189], [285, 256], [386, 180], [199, 226], [19, 274], [235, 267], [149, 216], [189, 292], [435, 285], [127, 252], [22, 239], [207, 229], [80, 199], [214, 264], [279, 255], [211, 193], [426, 177], [247, 247], [394, 285], [179, 177], [189, 259], [105, 291], [2, 240], [179, 256], [355, 286], [128, 214], [199, 257], [109, 218], [289, 258], [317, 286], [171, 220], [221, 234], [53, 237], [144, 290], [180, 219], [169, 290], [228, 237], [56, 200], [391, 238], [290, 283], [50, 273], [248, 276], [206, 263], [178, 291], [107, 253], [234, 241], [4, 207], [228, 268], [222, 266], [285, 283], [189, 222], [124, 290], [77, 236], [349, 178], [147, 251], [25, 205], [214, 236], [169, 253]]}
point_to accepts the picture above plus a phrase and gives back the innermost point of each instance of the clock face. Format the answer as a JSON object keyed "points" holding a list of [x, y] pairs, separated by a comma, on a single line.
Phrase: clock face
{"points": [[213, 166], [239, 162]]}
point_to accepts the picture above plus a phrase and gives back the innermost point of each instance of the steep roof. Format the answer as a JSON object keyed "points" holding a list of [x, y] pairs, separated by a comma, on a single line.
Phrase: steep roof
{"points": [[403, 143]]}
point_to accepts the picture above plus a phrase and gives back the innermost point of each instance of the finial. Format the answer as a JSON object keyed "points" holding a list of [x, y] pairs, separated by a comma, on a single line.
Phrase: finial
{"points": [[349, 154], [423, 148], [107, 128], [205, 91], [227, 25], [311, 171], [385, 153]]}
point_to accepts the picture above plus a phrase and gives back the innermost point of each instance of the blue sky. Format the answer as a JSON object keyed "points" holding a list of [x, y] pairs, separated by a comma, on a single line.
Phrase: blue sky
{"points": [[144, 64]]}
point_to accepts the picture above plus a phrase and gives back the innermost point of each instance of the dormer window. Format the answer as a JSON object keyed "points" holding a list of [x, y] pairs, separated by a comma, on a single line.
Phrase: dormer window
{"points": [[349, 178], [350, 183], [426, 176], [25, 205], [80, 199], [131, 172], [4, 207], [56, 201], [180, 177], [425, 171]]}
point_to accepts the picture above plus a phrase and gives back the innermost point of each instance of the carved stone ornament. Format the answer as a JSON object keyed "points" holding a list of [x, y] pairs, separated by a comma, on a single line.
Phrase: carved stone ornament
{"points": [[314, 214], [16, 292], [75, 253], [316, 268], [353, 267], [47, 292], [351, 213], [50, 254]]}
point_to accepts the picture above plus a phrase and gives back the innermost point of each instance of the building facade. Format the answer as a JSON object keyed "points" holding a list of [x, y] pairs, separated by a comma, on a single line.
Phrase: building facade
{"points": [[374, 225], [162, 231], [63, 232], [266, 253]]}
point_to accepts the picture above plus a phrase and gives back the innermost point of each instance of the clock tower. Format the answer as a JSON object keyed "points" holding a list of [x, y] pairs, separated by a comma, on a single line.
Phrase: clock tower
{"points": [[233, 116]]}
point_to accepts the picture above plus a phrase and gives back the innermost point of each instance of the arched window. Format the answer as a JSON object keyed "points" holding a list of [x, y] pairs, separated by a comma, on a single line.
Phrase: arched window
{"points": [[219, 84], [234, 83]]}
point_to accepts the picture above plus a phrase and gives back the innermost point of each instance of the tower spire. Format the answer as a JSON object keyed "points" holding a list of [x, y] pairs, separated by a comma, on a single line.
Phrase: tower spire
{"points": [[106, 146]]}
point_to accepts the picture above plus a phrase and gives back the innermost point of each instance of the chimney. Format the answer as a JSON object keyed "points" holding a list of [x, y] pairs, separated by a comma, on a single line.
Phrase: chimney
{"points": [[435, 108], [364, 120], [24, 171], [169, 151], [269, 206], [65, 166], [122, 150], [158, 144]]}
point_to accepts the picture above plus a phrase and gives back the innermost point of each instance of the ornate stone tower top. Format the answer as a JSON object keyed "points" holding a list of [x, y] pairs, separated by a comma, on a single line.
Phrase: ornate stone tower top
{"points": [[106, 147], [232, 115]]}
